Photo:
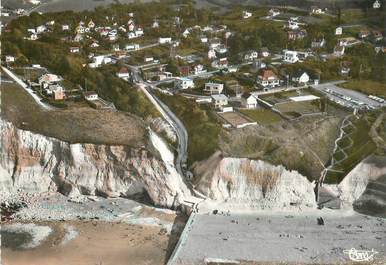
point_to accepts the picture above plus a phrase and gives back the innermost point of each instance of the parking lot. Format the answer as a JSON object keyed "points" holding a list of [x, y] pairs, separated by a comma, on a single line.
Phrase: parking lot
{"points": [[348, 98]]}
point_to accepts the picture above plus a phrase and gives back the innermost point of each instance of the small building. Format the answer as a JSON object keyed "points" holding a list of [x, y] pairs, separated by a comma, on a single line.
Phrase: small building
{"points": [[246, 14], [219, 100], [90, 95], [211, 54], [316, 10], [301, 78], [273, 12], [74, 50], [264, 52], [9, 59], [184, 83], [376, 4], [123, 73], [199, 69], [65, 27], [251, 55], [293, 23], [363, 34], [57, 92], [213, 88], [248, 101], [290, 56], [339, 31], [377, 35], [268, 79], [164, 40]]}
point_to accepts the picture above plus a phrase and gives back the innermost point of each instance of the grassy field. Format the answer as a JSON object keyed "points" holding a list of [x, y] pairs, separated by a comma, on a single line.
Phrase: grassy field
{"points": [[367, 86], [201, 124], [304, 107], [78, 124], [262, 116]]}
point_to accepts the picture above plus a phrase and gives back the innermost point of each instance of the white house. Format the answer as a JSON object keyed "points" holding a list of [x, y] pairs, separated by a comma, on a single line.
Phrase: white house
{"points": [[213, 88], [273, 12], [186, 33], [90, 95], [100, 60], [41, 29], [339, 31], [317, 10], [132, 47], [290, 56], [184, 83], [251, 55], [94, 45], [301, 78], [199, 69], [34, 2], [219, 100], [376, 4], [164, 40], [248, 101], [264, 52], [9, 59], [65, 27], [148, 59], [220, 64], [246, 14], [74, 49], [204, 39], [155, 24], [293, 23], [123, 73], [211, 54]]}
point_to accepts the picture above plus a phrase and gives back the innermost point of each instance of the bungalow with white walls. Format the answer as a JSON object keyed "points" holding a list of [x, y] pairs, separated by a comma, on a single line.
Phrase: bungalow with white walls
{"points": [[213, 88], [184, 83], [246, 14], [90, 95], [164, 40], [301, 78], [74, 49], [219, 100], [248, 101], [123, 73]]}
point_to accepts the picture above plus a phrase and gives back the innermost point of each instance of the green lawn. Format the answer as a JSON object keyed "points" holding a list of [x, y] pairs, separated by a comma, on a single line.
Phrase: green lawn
{"points": [[262, 116], [367, 86]]}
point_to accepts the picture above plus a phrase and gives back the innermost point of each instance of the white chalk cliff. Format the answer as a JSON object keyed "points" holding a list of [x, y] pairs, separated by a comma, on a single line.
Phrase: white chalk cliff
{"points": [[253, 184], [36, 163]]}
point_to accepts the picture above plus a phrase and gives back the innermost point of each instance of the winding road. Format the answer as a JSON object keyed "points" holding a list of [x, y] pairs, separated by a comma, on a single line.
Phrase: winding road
{"points": [[169, 116]]}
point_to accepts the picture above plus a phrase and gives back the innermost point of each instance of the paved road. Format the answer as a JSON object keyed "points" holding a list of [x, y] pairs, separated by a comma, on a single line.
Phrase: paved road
{"points": [[171, 118], [346, 97]]}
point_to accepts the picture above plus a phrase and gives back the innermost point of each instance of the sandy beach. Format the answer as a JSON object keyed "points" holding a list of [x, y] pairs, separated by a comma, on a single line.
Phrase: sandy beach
{"points": [[95, 243]]}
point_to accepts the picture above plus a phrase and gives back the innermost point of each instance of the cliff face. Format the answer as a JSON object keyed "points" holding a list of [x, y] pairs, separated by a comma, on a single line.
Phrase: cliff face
{"points": [[36, 163], [253, 184]]}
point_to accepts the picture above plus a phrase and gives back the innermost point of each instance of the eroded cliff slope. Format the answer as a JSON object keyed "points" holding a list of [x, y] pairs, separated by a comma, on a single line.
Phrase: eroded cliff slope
{"points": [[36, 163]]}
